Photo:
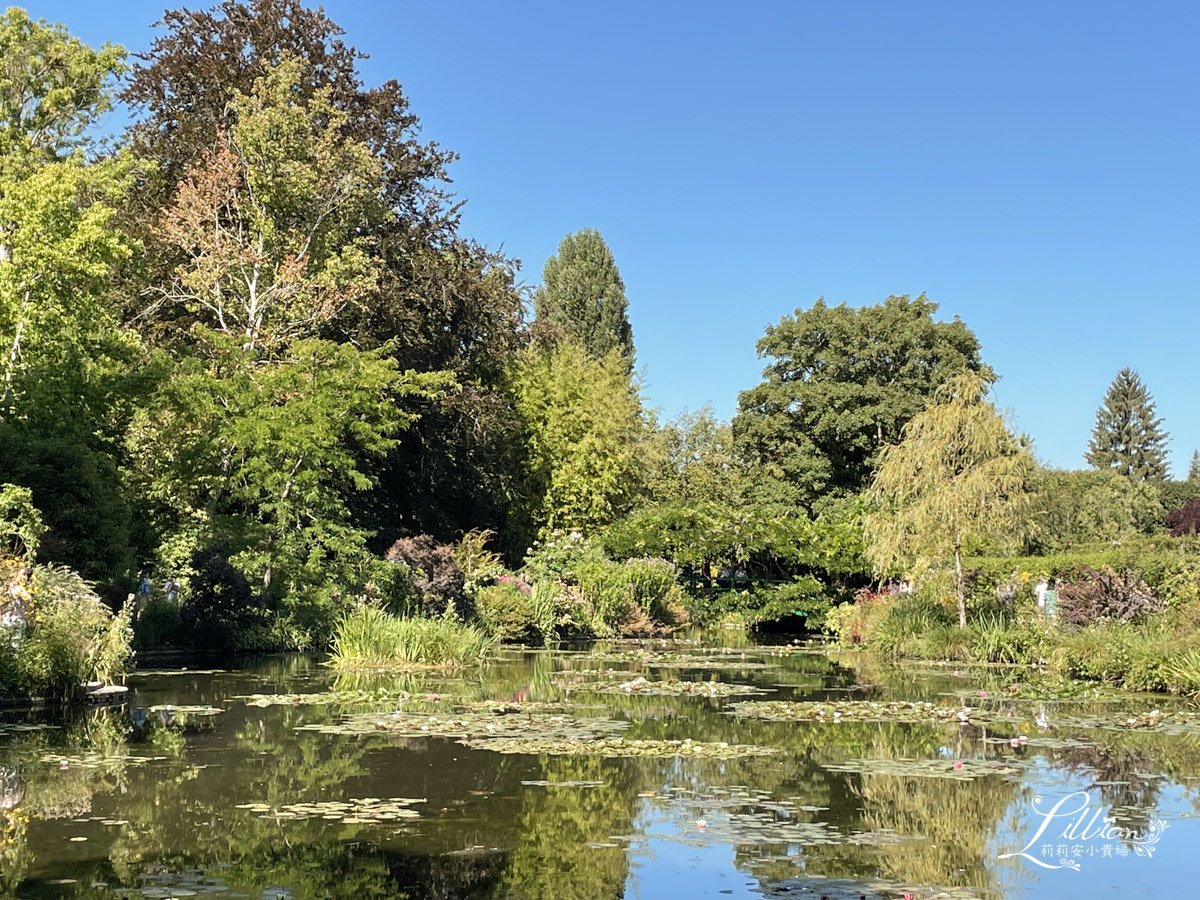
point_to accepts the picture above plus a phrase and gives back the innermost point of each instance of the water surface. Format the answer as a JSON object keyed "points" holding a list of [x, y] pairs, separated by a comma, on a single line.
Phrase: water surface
{"points": [[281, 797]]}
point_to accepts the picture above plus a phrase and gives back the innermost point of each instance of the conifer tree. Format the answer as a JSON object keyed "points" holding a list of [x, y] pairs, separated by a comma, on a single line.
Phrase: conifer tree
{"points": [[583, 294], [1194, 467], [1128, 437]]}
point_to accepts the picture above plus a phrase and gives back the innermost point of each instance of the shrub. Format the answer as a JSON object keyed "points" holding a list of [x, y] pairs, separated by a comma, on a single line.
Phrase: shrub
{"points": [[507, 613], [390, 586], [544, 598], [369, 637], [71, 637], [1186, 519], [220, 603], [1101, 596], [805, 597], [158, 625], [21, 526], [559, 557], [480, 566], [631, 596], [437, 579]]}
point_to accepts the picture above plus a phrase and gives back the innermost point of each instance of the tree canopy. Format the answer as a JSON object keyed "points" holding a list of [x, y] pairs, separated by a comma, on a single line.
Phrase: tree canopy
{"points": [[583, 294], [842, 385]]}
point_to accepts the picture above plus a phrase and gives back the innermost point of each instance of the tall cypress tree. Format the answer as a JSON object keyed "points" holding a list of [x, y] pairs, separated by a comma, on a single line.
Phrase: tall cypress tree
{"points": [[583, 294], [1128, 437], [1194, 467]]}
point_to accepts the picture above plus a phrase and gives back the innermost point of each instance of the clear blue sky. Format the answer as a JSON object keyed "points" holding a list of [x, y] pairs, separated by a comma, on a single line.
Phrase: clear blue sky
{"points": [[1034, 167]]}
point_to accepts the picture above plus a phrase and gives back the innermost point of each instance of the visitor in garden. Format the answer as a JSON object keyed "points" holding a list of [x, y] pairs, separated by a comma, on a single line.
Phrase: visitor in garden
{"points": [[172, 589], [143, 593]]}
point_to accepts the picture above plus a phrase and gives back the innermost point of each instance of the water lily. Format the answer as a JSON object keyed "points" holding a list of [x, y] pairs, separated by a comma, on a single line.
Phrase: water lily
{"points": [[958, 765]]}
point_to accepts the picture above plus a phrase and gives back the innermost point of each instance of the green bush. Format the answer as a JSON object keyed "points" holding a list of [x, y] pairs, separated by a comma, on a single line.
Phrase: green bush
{"points": [[506, 612], [805, 598], [159, 624], [370, 637], [634, 595], [71, 637], [480, 566]]}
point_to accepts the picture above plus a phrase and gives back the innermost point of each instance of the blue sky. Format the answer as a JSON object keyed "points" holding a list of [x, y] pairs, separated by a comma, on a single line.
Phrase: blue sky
{"points": [[1033, 167]]}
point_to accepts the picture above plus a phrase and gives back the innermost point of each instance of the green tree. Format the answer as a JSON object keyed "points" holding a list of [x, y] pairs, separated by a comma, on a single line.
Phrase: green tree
{"points": [[959, 475], [53, 88], [266, 223], [1194, 467], [273, 426], [693, 460], [1073, 508], [436, 300], [265, 456], [64, 359], [583, 294], [842, 385], [1128, 437], [583, 426]]}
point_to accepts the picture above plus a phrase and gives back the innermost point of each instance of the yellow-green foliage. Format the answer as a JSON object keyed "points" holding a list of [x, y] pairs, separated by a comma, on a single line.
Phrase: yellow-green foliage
{"points": [[480, 566], [958, 476], [583, 423], [369, 637], [619, 591], [506, 612]]}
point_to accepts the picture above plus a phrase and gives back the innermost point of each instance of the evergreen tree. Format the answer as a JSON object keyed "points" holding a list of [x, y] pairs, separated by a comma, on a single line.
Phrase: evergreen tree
{"points": [[583, 294], [1128, 437], [1194, 467]]}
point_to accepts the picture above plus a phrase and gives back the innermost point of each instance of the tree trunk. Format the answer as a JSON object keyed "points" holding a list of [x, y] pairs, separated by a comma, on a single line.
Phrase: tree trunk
{"points": [[13, 356], [958, 582]]}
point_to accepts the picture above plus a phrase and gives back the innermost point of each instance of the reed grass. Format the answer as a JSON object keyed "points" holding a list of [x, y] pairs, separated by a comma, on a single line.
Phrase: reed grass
{"points": [[371, 638]]}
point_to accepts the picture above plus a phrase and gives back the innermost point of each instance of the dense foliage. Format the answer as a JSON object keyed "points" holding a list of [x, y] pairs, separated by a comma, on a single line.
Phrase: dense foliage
{"points": [[245, 346], [842, 385], [583, 295]]}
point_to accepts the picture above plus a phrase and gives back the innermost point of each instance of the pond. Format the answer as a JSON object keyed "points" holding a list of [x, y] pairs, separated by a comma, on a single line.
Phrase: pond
{"points": [[636, 770]]}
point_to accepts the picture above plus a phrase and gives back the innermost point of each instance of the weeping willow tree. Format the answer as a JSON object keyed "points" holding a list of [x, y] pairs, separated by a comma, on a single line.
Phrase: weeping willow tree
{"points": [[959, 475]]}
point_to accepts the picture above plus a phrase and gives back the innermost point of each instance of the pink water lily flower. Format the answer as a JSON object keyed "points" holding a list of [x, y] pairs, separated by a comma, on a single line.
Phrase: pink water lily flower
{"points": [[958, 765]]}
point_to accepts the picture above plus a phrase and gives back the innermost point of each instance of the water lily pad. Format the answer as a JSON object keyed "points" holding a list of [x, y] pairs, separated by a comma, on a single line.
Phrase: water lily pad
{"points": [[959, 770], [188, 710], [490, 725], [667, 687], [616, 747], [364, 811], [835, 711], [563, 783]]}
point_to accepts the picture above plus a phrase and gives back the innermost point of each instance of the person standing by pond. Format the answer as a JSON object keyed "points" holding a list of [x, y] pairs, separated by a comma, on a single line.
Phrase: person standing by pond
{"points": [[143, 594], [172, 589]]}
